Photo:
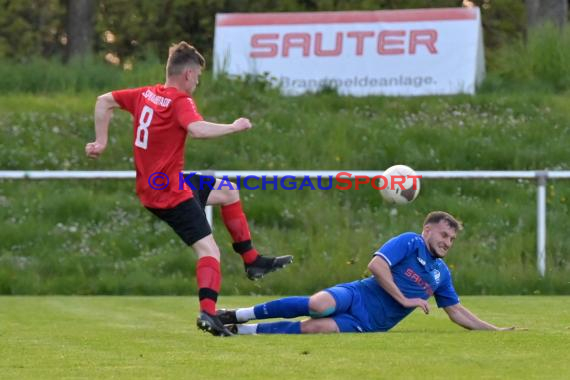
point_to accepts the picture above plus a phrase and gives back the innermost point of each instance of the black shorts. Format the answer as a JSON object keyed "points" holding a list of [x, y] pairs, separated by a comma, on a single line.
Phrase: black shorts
{"points": [[188, 218]]}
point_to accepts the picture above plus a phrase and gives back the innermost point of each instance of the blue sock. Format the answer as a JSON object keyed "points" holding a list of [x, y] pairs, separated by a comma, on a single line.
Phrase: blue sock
{"points": [[289, 307], [279, 328]]}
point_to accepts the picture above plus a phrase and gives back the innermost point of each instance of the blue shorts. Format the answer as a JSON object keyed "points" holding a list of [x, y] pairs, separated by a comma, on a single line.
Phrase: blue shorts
{"points": [[350, 314]]}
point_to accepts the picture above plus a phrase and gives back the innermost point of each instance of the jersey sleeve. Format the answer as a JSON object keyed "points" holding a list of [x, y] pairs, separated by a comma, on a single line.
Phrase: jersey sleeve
{"points": [[397, 248], [127, 99], [186, 112], [445, 294]]}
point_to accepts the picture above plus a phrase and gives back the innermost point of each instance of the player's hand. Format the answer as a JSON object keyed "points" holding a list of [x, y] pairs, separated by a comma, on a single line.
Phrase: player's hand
{"points": [[417, 302], [94, 149], [242, 124]]}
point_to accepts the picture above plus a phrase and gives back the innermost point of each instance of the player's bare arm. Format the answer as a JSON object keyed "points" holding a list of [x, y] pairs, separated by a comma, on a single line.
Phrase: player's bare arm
{"points": [[466, 319], [103, 113], [383, 275], [207, 130]]}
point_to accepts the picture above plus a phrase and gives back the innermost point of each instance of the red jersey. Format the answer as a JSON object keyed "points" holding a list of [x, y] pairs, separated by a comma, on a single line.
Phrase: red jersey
{"points": [[160, 117]]}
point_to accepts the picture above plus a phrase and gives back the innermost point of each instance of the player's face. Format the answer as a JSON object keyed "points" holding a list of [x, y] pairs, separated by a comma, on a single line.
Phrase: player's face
{"points": [[193, 78], [439, 238]]}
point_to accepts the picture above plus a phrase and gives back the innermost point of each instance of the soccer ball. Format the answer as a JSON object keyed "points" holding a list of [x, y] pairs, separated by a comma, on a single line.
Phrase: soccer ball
{"points": [[397, 186]]}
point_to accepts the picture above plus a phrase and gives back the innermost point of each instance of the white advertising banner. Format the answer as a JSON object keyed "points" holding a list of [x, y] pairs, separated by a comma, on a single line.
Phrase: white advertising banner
{"points": [[404, 52]]}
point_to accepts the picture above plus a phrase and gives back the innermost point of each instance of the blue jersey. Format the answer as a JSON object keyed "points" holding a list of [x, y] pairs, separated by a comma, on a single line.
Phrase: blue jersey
{"points": [[416, 273]]}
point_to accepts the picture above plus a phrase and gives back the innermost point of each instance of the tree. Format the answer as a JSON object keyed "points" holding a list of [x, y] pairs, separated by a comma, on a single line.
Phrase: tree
{"points": [[541, 11], [80, 28]]}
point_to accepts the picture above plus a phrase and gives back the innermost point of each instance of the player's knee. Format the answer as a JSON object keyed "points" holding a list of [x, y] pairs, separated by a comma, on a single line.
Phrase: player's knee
{"points": [[312, 326], [235, 192], [321, 312], [308, 328], [232, 195], [320, 307], [207, 247]]}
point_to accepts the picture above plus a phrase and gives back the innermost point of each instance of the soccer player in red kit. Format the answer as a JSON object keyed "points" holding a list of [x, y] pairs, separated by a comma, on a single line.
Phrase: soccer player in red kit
{"points": [[163, 116]]}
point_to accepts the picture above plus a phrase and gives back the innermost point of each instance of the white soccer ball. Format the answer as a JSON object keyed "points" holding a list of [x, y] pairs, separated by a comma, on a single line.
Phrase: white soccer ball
{"points": [[398, 186]]}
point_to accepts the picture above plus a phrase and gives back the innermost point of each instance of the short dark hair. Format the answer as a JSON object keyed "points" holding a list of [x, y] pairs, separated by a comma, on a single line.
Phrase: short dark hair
{"points": [[182, 55], [435, 217]]}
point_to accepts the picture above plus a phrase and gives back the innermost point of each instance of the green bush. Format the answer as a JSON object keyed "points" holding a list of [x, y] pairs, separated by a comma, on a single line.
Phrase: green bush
{"points": [[542, 62], [47, 76]]}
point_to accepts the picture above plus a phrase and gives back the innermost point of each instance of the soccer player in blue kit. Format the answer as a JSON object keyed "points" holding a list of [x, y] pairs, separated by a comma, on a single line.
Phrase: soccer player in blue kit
{"points": [[406, 271]]}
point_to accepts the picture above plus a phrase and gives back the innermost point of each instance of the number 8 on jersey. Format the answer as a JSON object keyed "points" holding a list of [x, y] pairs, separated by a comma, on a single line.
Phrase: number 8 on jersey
{"points": [[142, 131]]}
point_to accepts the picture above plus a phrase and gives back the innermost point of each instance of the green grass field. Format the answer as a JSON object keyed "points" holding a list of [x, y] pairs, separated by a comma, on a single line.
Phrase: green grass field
{"points": [[156, 337]]}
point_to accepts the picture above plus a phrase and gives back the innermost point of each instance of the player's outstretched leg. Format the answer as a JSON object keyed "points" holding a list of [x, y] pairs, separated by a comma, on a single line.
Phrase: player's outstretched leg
{"points": [[309, 326], [289, 307], [318, 306], [284, 327]]}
